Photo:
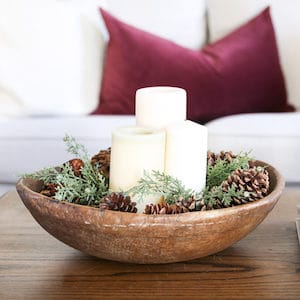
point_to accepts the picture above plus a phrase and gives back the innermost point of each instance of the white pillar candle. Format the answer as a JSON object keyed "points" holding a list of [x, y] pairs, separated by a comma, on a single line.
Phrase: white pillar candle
{"points": [[160, 106], [186, 153], [135, 150]]}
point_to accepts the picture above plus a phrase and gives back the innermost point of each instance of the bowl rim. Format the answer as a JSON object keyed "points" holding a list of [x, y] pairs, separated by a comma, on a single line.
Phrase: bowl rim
{"points": [[208, 214]]}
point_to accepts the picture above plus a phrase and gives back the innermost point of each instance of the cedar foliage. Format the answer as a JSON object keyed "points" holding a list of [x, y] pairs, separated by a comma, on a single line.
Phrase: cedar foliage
{"points": [[87, 189]]}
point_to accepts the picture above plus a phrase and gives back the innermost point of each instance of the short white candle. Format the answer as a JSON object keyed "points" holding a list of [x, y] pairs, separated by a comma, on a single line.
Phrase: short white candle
{"points": [[186, 153], [159, 106], [135, 150]]}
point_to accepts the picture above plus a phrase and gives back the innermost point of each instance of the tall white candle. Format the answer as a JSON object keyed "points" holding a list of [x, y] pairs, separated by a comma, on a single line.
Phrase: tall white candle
{"points": [[160, 106], [186, 153], [135, 150]]}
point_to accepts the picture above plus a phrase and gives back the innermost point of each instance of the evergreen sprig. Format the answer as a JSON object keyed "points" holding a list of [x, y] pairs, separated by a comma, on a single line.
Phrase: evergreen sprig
{"points": [[172, 188], [210, 196], [75, 148], [47, 175], [88, 188], [220, 171], [157, 182]]}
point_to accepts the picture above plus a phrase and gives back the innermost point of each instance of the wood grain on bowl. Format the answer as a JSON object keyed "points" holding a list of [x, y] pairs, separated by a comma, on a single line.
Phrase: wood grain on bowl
{"points": [[140, 238]]}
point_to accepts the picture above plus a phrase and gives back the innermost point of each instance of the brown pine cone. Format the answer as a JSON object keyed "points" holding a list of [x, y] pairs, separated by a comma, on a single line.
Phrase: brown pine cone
{"points": [[223, 155], [253, 181], [181, 206], [118, 202], [49, 190], [76, 165], [165, 209], [201, 206], [102, 160], [189, 203], [156, 209], [192, 204]]}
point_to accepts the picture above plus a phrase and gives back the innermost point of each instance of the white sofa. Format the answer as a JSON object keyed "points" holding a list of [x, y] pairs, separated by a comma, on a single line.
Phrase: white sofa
{"points": [[50, 76]]}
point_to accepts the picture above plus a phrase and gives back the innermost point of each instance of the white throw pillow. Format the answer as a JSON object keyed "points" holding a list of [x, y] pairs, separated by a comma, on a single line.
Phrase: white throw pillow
{"points": [[181, 21], [226, 15], [51, 51], [50, 57]]}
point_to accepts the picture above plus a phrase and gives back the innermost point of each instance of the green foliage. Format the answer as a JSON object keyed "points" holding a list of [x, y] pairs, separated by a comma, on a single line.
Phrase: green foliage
{"points": [[172, 188], [47, 175], [78, 150], [160, 183], [220, 171], [88, 188], [216, 193]]}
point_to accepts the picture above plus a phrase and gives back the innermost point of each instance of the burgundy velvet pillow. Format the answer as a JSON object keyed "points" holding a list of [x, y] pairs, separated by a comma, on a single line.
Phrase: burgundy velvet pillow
{"points": [[237, 74]]}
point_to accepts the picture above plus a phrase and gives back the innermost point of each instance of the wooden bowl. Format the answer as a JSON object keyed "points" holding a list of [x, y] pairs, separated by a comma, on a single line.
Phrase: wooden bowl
{"points": [[139, 238]]}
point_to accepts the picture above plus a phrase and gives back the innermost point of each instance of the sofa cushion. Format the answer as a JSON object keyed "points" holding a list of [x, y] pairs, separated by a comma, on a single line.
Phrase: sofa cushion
{"points": [[225, 16], [50, 55], [240, 73], [271, 137]]}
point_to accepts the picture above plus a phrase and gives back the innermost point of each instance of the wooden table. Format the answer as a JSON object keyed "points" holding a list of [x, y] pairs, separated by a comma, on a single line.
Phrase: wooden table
{"points": [[34, 265]]}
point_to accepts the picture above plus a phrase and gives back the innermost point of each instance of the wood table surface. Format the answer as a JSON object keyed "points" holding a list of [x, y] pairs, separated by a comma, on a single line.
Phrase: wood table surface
{"points": [[264, 265]]}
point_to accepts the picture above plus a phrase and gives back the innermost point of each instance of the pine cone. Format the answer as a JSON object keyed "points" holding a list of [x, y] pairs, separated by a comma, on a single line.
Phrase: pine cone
{"points": [[189, 203], [165, 209], [201, 206], [118, 202], [223, 155], [102, 160], [181, 206], [76, 165], [254, 182], [49, 190], [193, 204]]}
